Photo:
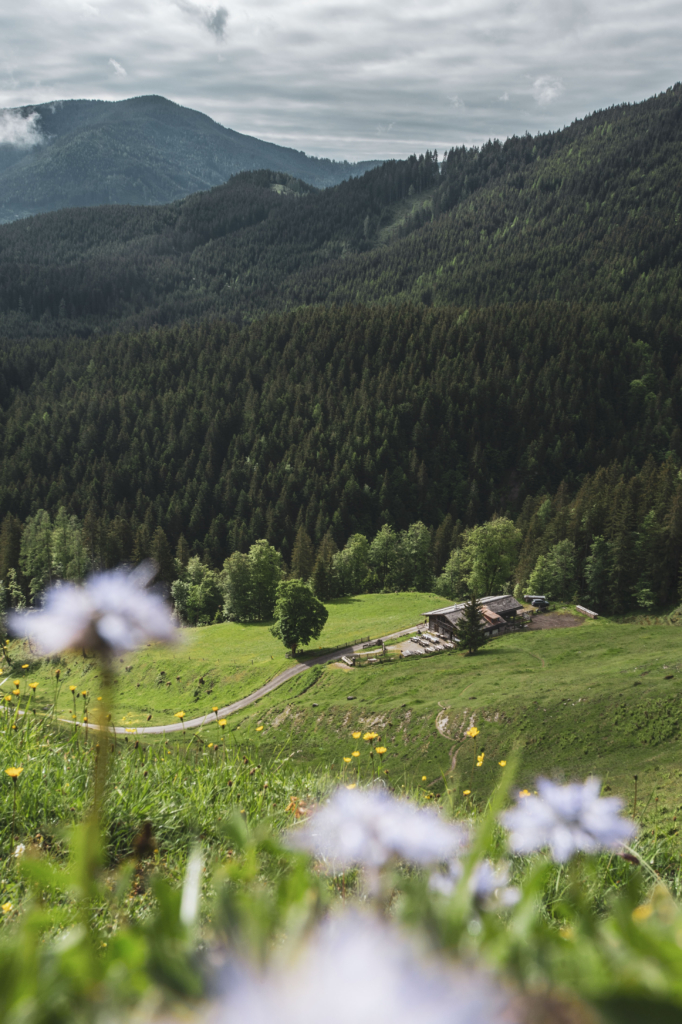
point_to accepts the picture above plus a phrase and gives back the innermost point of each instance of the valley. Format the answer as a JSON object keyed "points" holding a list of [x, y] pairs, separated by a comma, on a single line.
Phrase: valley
{"points": [[248, 394], [602, 698]]}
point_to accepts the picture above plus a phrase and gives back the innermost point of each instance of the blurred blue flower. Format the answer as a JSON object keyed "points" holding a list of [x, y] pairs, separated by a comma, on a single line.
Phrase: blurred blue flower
{"points": [[370, 827], [112, 612], [567, 819]]}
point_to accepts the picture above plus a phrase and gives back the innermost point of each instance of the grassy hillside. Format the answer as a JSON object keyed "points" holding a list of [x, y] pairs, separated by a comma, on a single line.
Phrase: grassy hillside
{"points": [[232, 659], [601, 698]]}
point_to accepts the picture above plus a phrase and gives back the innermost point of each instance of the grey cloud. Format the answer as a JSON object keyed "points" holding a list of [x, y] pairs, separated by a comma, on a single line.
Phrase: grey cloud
{"points": [[320, 75], [214, 18], [18, 130], [546, 89]]}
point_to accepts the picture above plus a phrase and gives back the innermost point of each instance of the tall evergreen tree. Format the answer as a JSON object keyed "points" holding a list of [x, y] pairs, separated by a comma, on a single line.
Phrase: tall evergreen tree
{"points": [[10, 544], [36, 552], [182, 551], [160, 551], [323, 573], [303, 555], [469, 629]]}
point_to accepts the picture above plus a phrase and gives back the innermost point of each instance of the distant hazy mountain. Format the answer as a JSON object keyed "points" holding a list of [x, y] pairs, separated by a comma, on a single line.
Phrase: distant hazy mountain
{"points": [[145, 151]]}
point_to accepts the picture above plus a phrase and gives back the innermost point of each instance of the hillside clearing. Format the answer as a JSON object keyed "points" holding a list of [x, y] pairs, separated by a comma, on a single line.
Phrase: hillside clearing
{"points": [[211, 667], [602, 699]]}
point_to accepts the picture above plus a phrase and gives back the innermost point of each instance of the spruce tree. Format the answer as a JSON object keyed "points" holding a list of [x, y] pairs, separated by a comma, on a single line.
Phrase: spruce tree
{"points": [[303, 555], [469, 631], [163, 556]]}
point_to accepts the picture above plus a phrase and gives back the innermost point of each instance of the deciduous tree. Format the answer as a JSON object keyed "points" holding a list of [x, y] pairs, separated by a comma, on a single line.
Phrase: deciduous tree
{"points": [[299, 615]]}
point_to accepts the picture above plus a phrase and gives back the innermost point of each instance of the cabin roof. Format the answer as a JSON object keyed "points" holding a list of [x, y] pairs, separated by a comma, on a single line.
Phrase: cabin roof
{"points": [[499, 604]]}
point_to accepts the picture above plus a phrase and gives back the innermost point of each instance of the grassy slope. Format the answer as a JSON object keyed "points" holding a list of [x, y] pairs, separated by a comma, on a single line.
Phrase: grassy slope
{"points": [[233, 659], [592, 699]]}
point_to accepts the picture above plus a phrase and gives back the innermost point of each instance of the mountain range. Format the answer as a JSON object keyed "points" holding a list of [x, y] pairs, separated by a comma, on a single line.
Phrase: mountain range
{"points": [[587, 213], [444, 338], [145, 150]]}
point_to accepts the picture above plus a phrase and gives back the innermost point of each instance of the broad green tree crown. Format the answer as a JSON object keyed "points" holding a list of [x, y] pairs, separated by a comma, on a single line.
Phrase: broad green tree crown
{"points": [[299, 615]]}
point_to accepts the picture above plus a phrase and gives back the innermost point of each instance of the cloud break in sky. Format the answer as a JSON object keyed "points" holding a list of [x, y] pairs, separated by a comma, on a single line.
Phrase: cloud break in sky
{"points": [[362, 79]]}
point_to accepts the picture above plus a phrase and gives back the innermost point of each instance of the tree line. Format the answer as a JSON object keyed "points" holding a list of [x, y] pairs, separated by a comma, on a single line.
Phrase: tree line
{"points": [[614, 543]]}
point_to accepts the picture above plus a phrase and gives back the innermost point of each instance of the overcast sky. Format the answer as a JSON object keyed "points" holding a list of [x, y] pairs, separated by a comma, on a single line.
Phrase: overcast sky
{"points": [[362, 79]]}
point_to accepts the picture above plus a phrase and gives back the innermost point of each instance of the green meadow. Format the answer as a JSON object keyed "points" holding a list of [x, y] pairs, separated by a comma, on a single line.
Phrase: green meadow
{"points": [[98, 905], [602, 698], [211, 666]]}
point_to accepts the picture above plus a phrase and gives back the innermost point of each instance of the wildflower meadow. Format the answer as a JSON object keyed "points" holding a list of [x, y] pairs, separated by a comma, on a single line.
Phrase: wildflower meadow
{"points": [[145, 878]]}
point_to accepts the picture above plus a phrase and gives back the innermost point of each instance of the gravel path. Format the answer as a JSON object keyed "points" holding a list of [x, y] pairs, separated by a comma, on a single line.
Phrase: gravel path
{"points": [[245, 702]]}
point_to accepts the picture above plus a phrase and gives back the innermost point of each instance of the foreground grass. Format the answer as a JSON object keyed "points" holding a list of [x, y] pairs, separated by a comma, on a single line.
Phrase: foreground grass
{"points": [[165, 797], [90, 933], [213, 666]]}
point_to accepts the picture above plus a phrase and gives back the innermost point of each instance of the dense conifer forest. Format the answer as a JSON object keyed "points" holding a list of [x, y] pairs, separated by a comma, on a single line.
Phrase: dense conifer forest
{"points": [[590, 212], [442, 341]]}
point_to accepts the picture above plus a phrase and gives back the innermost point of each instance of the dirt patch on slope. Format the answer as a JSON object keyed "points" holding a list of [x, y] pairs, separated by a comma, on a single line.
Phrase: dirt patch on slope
{"points": [[555, 620]]}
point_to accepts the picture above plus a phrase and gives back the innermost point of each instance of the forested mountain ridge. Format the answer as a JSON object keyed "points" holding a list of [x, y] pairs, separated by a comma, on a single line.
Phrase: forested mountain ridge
{"points": [[337, 419], [590, 212], [144, 150]]}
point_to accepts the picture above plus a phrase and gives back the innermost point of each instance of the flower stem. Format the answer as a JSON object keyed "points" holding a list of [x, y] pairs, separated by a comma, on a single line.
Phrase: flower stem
{"points": [[14, 812], [102, 748]]}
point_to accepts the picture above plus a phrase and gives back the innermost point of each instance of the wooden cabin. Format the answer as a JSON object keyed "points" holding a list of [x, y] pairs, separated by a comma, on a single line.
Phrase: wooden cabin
{"points": [[498, 615]]}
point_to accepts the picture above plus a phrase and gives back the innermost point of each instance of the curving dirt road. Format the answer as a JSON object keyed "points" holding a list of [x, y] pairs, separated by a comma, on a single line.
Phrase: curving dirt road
{"points": [[238, 705]]}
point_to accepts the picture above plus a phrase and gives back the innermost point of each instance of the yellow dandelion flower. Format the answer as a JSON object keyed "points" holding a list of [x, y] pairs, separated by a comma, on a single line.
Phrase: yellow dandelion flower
{"points": [[215, 711], [24, 666], [17, 693], [84, 693], [73, 689], [210, 745], [466, 792], [222, 723], [179, 714], [356, 735], [642, 912], [502, 764], [472, 732], [33, 686], [423, 778], [8, 696], [352, 785], [368, 736], [381, 750], [356, 753], [259, 728], [85, 718], [347, 760], [524, 793], [6, 907], [13, 773]]}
